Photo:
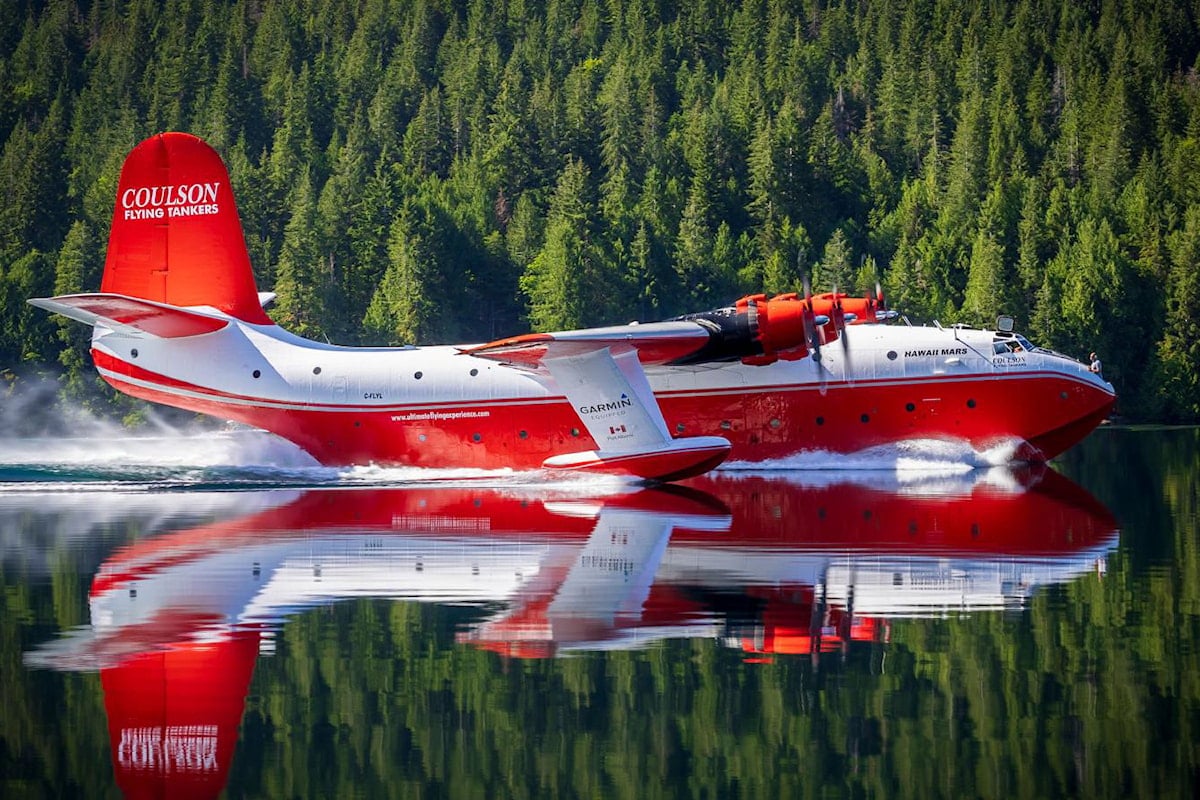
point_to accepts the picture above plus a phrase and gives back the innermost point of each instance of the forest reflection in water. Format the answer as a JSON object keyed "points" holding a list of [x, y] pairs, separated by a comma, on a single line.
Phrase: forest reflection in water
{"points": [[785, 633]]}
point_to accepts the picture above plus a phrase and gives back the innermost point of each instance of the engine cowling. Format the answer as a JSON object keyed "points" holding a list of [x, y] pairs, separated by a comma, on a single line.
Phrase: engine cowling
{"points": [[758, 331]]}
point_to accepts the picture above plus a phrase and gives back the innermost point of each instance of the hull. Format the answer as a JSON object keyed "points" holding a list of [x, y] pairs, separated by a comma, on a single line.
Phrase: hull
{"points": [[435, 407]]}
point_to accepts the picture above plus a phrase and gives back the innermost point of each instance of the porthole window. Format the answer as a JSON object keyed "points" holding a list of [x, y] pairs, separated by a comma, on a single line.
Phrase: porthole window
{"points": [[775, 423], [726, 425], [418, 375], [891, 355], [865, 418], [523, 434], [820, 420], [133, 352], [474, 372], [1063, 395], [476, 437], [679, 427], [971, 403], [910, 407], [574, 431], [257, 373], [316, 370]]}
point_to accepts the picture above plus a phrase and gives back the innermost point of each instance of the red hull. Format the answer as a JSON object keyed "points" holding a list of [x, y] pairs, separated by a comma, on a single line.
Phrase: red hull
{"points": [[1042, 413]]}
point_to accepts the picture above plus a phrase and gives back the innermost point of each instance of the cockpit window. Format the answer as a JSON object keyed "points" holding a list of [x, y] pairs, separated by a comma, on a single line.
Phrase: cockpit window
{"points": [[1011, 343]]}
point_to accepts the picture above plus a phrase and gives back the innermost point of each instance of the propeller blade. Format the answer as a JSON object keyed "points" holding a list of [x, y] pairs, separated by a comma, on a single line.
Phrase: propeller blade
{"points": [[882, 312], [839, 325], [812, 332]]}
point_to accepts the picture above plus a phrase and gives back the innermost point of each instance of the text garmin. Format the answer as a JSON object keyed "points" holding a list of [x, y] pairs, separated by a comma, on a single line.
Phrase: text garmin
{"points": [[606, 408]]}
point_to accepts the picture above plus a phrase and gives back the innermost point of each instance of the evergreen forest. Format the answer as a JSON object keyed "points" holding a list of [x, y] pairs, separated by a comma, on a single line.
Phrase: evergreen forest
{"points": [[424, 171]]}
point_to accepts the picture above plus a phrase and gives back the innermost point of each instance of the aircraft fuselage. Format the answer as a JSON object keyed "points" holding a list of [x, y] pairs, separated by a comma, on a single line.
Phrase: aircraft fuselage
{"points": [[438, 407]]}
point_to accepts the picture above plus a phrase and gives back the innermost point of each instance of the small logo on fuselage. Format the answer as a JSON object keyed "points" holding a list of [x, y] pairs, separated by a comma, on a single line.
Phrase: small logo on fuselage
{"points": [[945, 351], [602, 408]]}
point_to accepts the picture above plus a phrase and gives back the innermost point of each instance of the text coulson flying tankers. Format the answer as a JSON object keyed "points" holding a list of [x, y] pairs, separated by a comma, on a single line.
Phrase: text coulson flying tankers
{"points": [[179, 321], [759, 563]]}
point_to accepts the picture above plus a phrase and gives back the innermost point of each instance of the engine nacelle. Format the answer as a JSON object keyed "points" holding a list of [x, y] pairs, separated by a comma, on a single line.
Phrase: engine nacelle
{"points": [[759, 331]]}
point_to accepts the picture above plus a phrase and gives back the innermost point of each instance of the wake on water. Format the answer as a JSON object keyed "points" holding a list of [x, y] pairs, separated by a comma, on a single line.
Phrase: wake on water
{"points": [[67, 449], [251, 459], [208, 461]]}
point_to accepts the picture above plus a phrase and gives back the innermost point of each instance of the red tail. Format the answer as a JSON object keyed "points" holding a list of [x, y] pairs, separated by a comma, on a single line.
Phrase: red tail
{"points": [[176, 236]]}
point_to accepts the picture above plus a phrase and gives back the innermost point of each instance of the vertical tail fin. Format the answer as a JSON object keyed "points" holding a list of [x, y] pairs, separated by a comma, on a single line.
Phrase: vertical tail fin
{"points": [[176, 237]]}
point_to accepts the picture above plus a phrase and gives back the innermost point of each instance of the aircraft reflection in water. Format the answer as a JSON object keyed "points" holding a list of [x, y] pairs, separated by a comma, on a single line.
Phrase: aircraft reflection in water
{"points": [[759, 561]]}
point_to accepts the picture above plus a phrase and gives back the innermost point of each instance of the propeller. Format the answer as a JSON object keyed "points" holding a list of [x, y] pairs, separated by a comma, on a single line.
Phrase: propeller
{"points": [[811, 331], [838, 313], [882, 312], [839, 319]]}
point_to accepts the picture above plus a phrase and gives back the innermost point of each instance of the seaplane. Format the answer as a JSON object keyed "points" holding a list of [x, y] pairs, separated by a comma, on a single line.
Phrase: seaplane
{"points": [[179, 321]]}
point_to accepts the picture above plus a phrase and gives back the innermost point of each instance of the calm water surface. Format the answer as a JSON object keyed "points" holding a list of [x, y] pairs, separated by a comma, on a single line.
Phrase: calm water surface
{"points": [[174, 626]]}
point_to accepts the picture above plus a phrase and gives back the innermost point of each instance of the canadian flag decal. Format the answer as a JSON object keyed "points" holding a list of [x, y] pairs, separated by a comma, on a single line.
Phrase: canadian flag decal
{"points": [[615, 429]]}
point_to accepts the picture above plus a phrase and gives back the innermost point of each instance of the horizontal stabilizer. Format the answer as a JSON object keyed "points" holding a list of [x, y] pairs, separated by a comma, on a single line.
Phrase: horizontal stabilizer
{"points": [[131, 316]]}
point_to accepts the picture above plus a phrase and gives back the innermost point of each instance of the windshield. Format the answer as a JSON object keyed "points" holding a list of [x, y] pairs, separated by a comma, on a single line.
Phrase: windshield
{"points": [[1005, 342]]}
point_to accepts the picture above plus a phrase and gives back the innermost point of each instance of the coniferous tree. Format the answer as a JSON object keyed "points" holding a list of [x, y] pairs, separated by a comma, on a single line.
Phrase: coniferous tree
{"points": [[1177, 358], [560, 280], [302, 276], [403, 306]]}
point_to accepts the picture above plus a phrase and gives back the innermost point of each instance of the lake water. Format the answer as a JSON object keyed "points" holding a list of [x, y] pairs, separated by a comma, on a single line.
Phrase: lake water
{"points": [[189, 615]]}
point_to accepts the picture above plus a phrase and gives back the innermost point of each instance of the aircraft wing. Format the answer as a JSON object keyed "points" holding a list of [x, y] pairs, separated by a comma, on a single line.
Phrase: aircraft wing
{"points": [[755, 330], [601, 372], [656, 343], [130, 315]]}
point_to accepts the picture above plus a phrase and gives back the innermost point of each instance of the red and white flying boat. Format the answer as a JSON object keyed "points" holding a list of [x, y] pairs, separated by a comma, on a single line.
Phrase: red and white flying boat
{"points": [[179, 321]]}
